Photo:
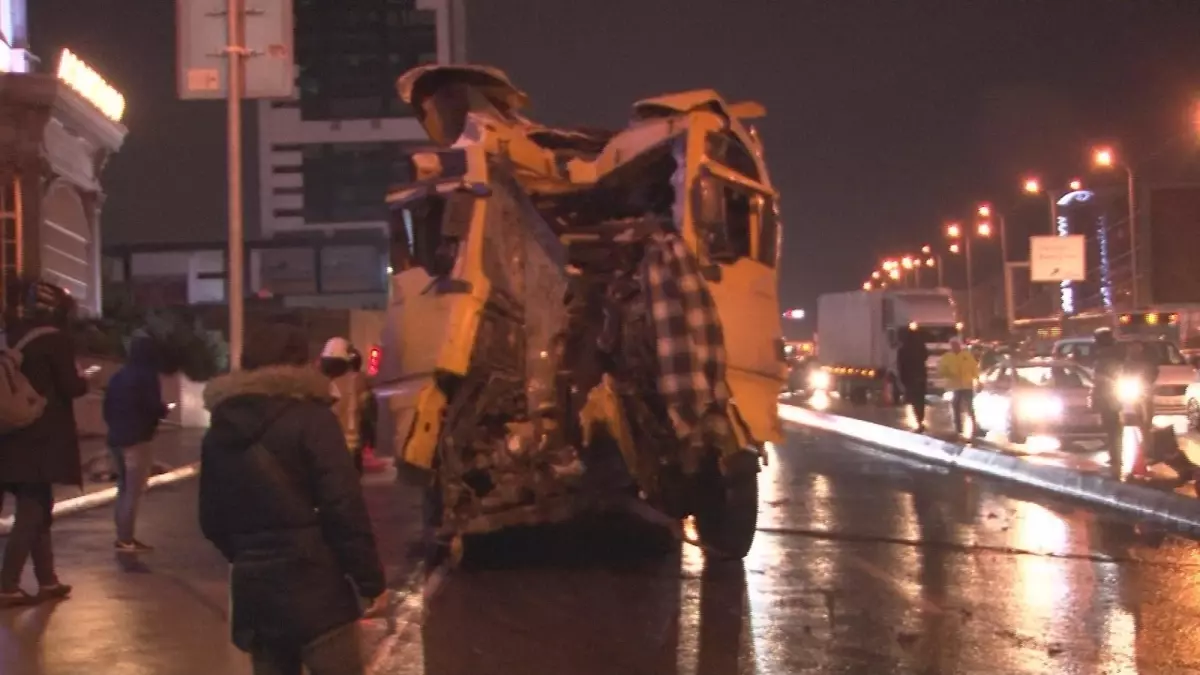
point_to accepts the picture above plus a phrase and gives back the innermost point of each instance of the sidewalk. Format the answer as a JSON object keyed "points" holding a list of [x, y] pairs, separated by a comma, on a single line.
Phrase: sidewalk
{"points": [[1079, 473], [166, 613], [174, 448]]}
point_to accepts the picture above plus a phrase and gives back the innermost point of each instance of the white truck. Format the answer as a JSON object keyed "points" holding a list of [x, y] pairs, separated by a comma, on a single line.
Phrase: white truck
{"points": [[858, 333]]}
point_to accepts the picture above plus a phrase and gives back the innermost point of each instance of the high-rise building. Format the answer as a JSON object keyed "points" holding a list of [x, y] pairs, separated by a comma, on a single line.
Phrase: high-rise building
{"points": [[327, 158]]}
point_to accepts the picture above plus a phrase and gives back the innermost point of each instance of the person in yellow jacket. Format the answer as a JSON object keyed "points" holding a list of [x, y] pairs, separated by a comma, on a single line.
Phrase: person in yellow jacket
{"points": [[350, 391], [960, 371]]}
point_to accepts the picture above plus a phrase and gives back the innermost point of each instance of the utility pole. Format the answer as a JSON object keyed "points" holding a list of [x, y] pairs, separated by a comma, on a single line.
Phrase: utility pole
{"points": [[235, 53], [211, 43]]}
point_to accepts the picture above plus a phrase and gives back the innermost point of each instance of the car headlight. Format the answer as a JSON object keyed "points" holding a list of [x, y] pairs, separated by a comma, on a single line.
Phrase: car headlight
{"points": [[819, 379], [1039, 407], [1129, 390]]}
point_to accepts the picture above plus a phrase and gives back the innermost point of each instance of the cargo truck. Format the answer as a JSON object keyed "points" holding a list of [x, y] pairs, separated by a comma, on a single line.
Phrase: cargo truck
{"points": [[858, 333]]}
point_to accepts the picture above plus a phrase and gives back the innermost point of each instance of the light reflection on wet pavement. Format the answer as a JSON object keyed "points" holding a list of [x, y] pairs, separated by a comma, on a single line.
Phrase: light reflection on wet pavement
{"points": [[864, 564]]}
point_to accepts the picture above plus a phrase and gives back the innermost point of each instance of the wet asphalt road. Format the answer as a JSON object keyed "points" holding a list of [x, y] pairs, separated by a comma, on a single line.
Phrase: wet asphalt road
{"points": [[864, 564]]}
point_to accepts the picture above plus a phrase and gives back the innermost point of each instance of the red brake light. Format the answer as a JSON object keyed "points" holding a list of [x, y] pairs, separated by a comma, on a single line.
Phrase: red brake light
{"points": [[373, 357]]}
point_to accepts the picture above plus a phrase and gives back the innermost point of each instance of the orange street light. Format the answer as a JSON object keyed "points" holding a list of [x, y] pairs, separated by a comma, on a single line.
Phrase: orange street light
{"points": [[985, 211], [1033, 186], [1075, 185], [953, 231], [907, 263], [894, 274], [926, 249], [954, 248], [985, 229], [875, 274], [866, 285], [1104, 158], [929, 262]]}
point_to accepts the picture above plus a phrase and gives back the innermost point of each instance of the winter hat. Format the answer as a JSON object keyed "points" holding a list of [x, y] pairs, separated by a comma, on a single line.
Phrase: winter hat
{"points": [[275, 344]]}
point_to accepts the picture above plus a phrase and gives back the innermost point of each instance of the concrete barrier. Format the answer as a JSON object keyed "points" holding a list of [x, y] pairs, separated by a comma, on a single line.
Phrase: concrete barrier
{"points": [[1164, 508]]}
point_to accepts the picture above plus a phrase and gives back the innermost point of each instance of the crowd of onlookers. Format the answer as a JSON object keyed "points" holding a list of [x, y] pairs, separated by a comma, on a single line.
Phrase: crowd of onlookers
{"points": [[280, 495]]}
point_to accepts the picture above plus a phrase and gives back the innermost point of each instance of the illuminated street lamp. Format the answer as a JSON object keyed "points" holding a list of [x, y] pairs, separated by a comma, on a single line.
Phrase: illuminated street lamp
{"points": [[907, 263], [985, 230], [953, 231], [894, 274], [926, 249], [875, 274], [1032, 186], [954, 248], [1105, 158], [1075, 185], [866, 285]]}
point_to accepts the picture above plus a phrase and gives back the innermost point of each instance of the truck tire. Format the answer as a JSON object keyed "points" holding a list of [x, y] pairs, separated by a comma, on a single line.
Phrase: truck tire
{"points": [[727, 506]]}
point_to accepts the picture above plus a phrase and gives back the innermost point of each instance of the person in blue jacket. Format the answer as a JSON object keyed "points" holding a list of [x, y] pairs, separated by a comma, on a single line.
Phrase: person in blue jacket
{"points": [[133, 407]]}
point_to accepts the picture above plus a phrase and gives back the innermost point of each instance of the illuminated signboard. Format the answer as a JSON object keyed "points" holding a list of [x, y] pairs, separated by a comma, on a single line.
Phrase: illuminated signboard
{"points": [[77, 75]]}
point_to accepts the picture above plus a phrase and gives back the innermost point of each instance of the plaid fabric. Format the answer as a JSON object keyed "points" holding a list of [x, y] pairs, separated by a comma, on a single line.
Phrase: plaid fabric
{"points": [[688, 336]]}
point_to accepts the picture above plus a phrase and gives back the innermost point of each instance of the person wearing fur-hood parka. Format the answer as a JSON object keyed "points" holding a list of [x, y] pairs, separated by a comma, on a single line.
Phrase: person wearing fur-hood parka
{"points": [[281, 500]]}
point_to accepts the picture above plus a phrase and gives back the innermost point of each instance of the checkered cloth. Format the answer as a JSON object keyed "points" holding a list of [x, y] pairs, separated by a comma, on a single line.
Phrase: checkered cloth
{"points": [[689, 340]]}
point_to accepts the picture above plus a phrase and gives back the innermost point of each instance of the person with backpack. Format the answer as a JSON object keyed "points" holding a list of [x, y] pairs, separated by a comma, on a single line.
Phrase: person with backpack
{"points": [[133, 407], [280, 499], [39, 446]]}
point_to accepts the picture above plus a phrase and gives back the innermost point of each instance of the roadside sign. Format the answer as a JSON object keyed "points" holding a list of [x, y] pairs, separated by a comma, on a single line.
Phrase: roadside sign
{"points": [[1053, 259], [202, 38]]}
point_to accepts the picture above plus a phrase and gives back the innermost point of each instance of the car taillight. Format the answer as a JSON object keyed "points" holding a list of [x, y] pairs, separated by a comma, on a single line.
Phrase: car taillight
{"points": [[373, 357]]}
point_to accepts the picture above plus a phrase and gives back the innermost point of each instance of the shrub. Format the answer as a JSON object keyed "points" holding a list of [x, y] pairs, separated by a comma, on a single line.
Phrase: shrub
{"points": [[183, 342]]}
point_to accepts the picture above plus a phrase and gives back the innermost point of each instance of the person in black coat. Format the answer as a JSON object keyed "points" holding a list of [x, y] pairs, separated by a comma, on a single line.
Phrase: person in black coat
{"points": [[911, 358], [45, 453], [133, 407], [281, 500]]}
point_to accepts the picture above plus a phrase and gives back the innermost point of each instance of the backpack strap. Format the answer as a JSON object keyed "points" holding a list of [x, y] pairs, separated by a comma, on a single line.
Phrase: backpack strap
{"points": [[33, 335]]}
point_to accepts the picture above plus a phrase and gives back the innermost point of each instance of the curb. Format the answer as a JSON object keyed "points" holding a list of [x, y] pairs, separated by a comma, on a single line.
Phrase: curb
{"points": [[1174, 511], [91, 500]]}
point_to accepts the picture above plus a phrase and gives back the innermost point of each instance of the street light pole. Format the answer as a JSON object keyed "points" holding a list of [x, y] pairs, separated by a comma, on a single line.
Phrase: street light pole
{"points": [[235, 52], [1133, 249], [970, 287]]}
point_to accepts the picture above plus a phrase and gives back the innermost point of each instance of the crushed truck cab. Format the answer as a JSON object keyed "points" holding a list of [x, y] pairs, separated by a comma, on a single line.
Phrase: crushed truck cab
{"points": [[581, 319]]}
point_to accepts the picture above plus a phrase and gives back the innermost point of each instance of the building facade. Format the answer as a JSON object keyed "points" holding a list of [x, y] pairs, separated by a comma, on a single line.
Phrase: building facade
{"points": [[57, 130], [327, 158]]}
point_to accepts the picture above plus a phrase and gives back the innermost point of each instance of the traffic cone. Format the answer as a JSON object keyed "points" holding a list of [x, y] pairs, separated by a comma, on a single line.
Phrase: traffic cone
{"points": [[371, 463], [1140, 469]]}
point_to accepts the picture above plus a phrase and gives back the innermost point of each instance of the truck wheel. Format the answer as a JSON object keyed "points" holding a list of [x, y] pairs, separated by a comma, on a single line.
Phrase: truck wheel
{"points": [[727, 506]]}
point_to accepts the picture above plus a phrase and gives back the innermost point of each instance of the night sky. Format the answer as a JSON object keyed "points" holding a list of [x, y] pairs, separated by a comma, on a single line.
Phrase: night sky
{"points": [[885, 117]]}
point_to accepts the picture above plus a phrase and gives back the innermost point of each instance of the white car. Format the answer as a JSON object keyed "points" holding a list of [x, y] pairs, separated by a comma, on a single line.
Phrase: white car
{"points": [[1175, 374]]}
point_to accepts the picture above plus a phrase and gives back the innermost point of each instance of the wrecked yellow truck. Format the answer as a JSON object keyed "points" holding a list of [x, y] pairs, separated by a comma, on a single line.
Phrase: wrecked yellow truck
{"points": [[581, 319]]}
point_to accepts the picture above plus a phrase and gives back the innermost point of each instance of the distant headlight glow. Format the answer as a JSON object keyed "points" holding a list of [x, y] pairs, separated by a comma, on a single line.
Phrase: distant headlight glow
{"points": [[820, 380], [1129, 390], [1037, 407]]}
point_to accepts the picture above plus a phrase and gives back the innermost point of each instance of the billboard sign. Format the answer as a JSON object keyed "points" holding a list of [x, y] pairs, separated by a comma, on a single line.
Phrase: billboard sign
{"points": [[1054, 259], [202, 43]]}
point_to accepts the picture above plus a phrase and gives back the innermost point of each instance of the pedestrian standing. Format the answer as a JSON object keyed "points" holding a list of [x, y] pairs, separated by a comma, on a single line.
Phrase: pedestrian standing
{"points": [[960, 370], [280, 499], [1108, 364], [353, 394], [914, 375], [36, 457], [133, 407]]}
